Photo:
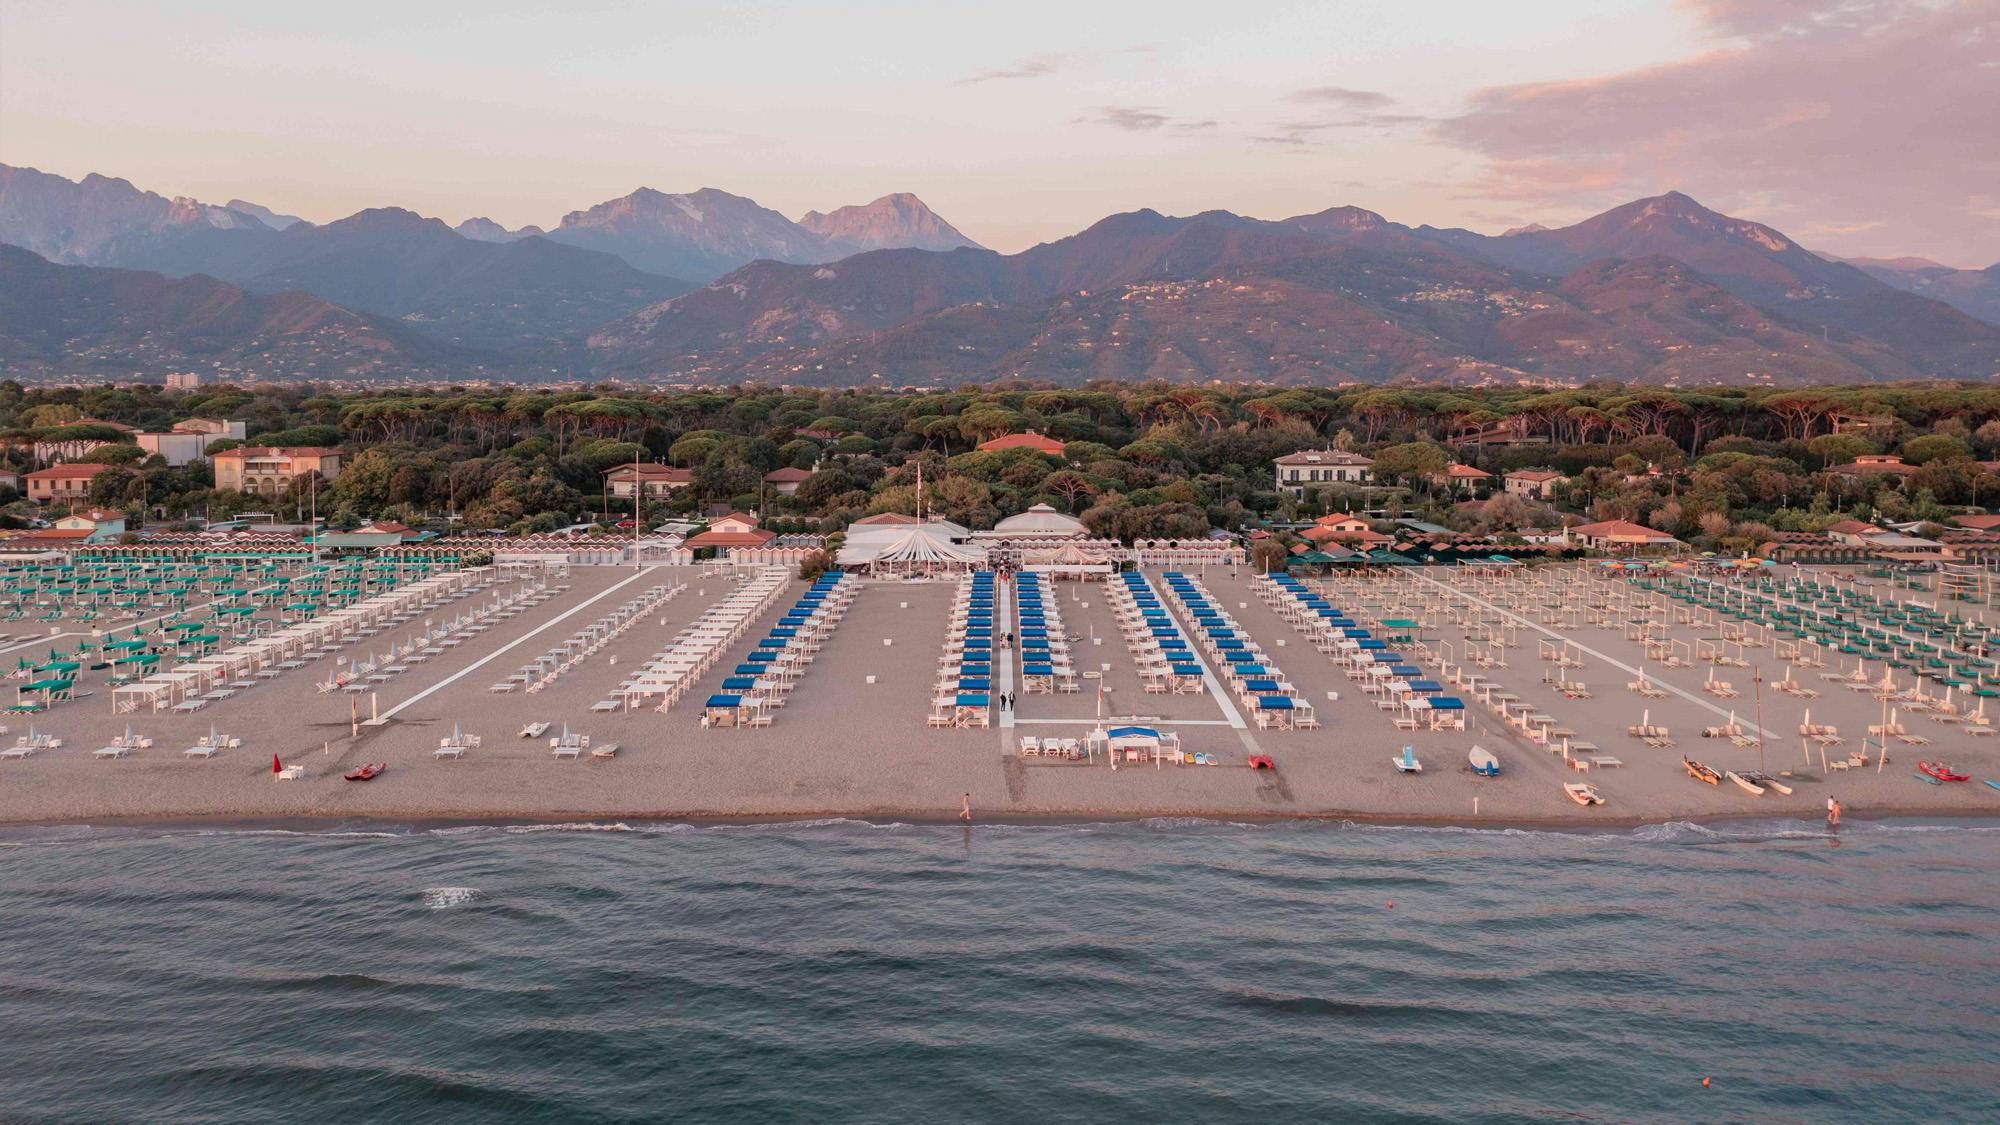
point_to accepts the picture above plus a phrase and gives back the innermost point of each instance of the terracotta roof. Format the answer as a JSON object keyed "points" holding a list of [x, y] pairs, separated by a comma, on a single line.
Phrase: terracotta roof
{"points": [[97, 515], [1465, 472], [1029, 440], [730, 539], [788, 475], [1977, 523], [67, 472], [1534, 475], [1620, 529], [885, 518], [1853, 527]]}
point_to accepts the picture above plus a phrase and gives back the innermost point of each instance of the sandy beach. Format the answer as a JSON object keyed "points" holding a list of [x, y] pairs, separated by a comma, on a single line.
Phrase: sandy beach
{"points": [[851, 738]]}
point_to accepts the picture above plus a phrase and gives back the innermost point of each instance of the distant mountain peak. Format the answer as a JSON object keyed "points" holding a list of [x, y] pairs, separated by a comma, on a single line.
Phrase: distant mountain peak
{"points": [[388, 219], [483, 229], [893, 221], [263, 214], [1528, 228], [1674, 216], [1348, 217]]}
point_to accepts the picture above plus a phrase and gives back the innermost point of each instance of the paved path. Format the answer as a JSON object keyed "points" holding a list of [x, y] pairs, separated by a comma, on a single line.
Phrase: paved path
{"points": [[1762, 732], [490, 657], [1215, 688], [1003, 623]]}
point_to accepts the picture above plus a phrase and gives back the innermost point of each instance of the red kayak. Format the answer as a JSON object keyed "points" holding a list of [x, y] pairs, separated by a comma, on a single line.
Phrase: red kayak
{"points": [[1942, 772], [366, 772]]}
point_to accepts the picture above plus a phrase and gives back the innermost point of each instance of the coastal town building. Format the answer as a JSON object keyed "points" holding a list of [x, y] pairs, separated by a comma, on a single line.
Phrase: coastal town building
{"points": [[1535, 484], [189, 439], [1298, 471], [98, 525], [183, 380], [651, 480], [1875, 465], [786, 481], [62, 482], [1456, 476], [269, 470], [11, 479]]}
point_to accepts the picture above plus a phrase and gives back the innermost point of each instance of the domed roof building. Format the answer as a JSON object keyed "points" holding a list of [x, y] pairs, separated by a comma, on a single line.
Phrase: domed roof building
{"points": [[1040, 522]]}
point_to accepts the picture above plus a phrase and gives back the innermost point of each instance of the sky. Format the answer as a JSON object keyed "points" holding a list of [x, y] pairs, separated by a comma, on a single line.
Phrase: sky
{"points": [[1858, 127]]}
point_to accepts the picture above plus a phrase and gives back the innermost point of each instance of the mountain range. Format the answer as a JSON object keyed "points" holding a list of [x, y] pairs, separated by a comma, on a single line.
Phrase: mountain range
{"points": [[711, 286], [1660, 289], [94, 320]]}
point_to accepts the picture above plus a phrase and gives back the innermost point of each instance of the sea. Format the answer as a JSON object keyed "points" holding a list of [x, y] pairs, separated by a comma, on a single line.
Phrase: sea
{"points": [[1151, 971]]}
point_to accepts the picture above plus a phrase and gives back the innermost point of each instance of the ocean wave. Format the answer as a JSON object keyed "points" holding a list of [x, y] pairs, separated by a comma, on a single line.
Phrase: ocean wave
{"points": [[1668, 832], [444, 898]]}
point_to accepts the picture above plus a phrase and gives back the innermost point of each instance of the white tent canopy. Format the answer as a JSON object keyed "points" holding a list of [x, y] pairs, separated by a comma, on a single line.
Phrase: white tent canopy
{"points": [[921, 549]]}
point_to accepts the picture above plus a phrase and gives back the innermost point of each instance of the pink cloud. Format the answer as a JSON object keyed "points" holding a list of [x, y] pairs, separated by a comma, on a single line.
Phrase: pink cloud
{"points": [[1868, 125]]}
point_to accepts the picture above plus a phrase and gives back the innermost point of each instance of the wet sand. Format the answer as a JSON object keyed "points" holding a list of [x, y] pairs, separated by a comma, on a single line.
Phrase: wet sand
{"points": [[842, 746]]}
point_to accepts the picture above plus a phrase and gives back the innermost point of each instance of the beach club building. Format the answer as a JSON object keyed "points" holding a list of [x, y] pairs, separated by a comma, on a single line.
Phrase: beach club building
{"points": [[735, 531], [1622, 535]]}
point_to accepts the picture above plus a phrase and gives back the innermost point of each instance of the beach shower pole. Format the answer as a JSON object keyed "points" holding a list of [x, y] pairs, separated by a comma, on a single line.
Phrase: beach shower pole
{"points": [[1757, 690]]}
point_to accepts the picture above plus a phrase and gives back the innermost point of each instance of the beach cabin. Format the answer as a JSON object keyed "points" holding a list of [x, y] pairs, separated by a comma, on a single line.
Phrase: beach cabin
{"points": [[1135, 745]]}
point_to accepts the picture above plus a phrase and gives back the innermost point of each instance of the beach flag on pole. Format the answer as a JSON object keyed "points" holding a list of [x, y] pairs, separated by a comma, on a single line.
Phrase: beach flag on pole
{"points": [[275, 767]]}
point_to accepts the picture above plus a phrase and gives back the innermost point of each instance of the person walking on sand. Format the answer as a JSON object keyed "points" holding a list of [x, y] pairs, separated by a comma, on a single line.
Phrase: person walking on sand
{"points": [[1832, 813], [965, 809]]}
